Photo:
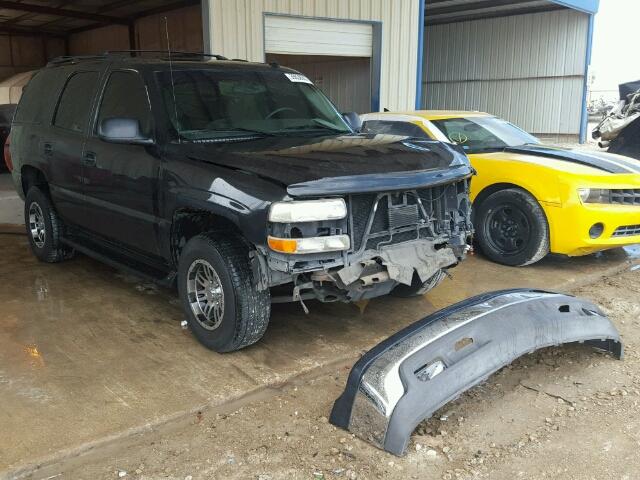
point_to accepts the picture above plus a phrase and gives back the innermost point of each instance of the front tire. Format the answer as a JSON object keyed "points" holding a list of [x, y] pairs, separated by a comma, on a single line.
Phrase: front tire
{"points": [[418, 288], [224, 307], [44, 228], [511, 228]]}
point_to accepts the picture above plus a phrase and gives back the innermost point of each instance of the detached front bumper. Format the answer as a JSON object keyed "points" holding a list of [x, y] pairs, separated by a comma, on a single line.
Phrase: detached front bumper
{"points": [[407, 377]]}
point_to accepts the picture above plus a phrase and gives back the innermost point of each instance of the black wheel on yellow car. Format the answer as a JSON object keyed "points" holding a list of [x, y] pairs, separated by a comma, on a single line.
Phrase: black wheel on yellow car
{"points": [[511, 228]]}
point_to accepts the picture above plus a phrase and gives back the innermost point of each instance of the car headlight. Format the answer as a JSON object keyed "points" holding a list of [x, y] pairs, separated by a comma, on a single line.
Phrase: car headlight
{"points": [[308, 210], [594, 195], [332, 243]]}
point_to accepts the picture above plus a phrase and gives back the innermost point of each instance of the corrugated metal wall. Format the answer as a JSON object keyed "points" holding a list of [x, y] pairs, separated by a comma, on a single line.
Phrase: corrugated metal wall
{"points": [[23, 53], [185, 30], [237, 31], [98, 40], [185, 33], [528, 69]]}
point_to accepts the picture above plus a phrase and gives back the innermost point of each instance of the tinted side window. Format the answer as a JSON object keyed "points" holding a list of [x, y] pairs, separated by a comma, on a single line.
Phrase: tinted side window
{"points": [[125, 96], [74, 105], [34, 99], [394, 128]]}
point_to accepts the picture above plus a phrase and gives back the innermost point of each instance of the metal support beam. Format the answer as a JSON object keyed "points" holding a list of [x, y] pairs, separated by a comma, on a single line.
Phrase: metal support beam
{"points": [[419, 65], [61, 12], [166, 8], [584, 116], [36, 32], [469, 7], [466, 17], [132, 36], [206, 26]]}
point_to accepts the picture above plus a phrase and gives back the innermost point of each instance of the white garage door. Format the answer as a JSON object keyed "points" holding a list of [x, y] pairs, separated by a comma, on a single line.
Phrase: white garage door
{"points": [[307, 36]]}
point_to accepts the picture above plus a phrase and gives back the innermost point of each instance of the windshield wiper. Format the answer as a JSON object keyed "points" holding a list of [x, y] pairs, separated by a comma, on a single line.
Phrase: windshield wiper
{"points": [[313, 128], [247, 130], [224, 134]]}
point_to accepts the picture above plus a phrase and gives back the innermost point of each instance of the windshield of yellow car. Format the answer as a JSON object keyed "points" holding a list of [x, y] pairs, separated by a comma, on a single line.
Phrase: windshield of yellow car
{"points": [[478, 134]]}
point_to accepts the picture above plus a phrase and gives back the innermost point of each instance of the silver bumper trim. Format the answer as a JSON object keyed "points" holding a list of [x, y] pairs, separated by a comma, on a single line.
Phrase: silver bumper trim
{"points": [[406, 378]]}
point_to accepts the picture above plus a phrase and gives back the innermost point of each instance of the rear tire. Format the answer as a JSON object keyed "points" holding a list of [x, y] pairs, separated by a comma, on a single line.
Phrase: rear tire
{"points": [[44, 228], [418, 288], [225, 309], [511, 228]]}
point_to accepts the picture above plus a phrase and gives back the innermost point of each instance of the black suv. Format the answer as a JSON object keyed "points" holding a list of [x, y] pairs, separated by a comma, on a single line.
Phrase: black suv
{"points": [[239, 181]]}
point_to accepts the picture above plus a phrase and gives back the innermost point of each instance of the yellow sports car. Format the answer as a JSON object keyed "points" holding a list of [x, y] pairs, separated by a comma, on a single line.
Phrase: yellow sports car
{"points": [[531, 199]]}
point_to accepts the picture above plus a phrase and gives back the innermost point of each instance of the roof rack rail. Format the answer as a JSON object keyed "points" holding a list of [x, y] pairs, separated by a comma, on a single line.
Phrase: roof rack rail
{"points": [[173, 53], [72, 59]]}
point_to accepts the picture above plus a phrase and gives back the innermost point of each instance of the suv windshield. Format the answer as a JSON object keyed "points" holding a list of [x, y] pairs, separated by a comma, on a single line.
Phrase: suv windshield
{"points": [[477, 134], [212, 104]]}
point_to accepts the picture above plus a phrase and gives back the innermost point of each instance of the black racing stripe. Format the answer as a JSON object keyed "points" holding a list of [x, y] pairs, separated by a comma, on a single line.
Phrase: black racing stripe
{"points": [[629, 162], [610, 166]]}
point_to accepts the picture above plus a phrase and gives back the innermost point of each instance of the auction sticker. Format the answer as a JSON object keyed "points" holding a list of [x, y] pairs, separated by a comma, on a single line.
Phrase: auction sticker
{"points": [[297, 77]]}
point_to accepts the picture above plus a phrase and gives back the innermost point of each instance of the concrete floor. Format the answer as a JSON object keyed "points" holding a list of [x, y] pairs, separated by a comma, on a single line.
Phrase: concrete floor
{"points": [[10, 203], [88, 354]]}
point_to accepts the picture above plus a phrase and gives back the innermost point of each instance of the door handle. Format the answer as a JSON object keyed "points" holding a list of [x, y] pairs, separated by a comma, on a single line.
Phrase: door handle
{"points": [[89, 159], [48, 148]]}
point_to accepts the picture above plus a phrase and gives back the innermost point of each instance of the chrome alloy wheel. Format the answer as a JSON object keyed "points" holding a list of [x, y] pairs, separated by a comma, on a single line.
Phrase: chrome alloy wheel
{"points": [[205, 293], [37, 225]]}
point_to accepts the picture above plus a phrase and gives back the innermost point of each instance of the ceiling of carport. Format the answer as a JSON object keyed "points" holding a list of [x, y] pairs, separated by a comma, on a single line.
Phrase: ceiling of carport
{"points": [[451, 11], [61, 18]]}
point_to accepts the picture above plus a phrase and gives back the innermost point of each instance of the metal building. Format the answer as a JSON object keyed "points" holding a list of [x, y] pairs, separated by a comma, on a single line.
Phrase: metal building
{"points": [[525, 61], [363, 53]]}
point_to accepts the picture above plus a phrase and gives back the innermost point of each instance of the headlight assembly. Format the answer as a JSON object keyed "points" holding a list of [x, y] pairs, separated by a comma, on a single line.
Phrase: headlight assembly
{"points": [[594, 195], [308, 210]]}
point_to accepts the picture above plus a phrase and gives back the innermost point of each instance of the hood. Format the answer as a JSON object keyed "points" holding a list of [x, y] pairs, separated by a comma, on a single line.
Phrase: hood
{"points": [[303, 160], [599, 160]]}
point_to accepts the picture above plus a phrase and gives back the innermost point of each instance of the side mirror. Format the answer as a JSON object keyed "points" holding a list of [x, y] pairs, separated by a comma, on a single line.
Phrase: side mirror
{"points": [[122, 130], [353, 120]]}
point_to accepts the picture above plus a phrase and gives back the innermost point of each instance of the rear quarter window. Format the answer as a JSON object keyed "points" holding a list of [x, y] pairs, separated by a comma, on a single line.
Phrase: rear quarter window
{"points": [[76, 101], [35, 100]]}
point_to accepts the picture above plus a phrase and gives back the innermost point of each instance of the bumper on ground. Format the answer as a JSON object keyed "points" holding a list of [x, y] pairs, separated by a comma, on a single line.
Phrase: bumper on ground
{"points": [[410, 375]]}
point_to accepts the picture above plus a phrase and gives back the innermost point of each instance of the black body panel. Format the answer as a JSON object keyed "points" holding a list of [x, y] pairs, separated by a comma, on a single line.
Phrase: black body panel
{"points": [[601, 161], [628, 141], [127, 197]]}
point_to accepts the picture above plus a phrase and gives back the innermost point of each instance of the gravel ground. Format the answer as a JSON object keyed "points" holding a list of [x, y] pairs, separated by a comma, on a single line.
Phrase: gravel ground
{"points": [[561, 413]]}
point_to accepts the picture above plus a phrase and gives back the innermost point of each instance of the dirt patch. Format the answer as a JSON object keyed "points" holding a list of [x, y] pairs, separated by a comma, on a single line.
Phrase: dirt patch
{"points": [[562, 413]]}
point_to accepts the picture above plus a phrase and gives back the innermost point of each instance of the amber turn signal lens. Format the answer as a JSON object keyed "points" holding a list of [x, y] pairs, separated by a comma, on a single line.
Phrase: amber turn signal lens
{"points": [[284, 245]]}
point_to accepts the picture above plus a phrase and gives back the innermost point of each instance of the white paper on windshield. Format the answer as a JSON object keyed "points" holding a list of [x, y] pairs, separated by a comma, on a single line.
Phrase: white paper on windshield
{"points": [[297, 77]]}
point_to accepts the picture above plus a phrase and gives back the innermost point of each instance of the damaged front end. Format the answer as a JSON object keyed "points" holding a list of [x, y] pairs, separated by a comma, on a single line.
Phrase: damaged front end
{"points": [[389, 238], [409, 376]]}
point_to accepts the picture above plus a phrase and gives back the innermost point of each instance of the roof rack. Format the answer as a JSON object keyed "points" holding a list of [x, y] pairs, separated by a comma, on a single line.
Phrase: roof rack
{"points": [[173, 53], [71, 59]]}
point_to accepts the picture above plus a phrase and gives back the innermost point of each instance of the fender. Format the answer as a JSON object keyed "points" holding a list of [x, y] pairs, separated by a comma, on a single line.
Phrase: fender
{"points": [[248, 214], [407, 377]]}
